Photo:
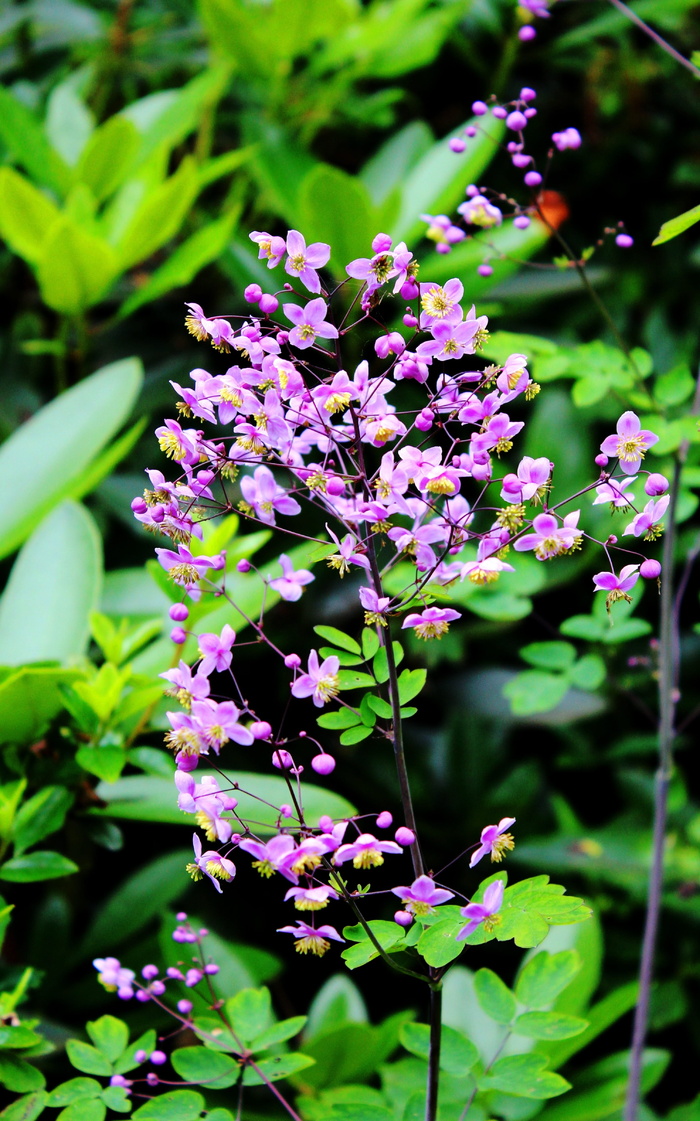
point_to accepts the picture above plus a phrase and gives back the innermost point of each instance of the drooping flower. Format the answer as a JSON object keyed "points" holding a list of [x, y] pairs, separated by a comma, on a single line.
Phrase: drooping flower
{"points": [[291, 584], [617, 587], [495, 840], [485, 913], [263, 496], [630, 443], [530, 481], [375, 607], [478, 211], [434, 622], [551, 539], [277, 855], [311, 898], [648, 522], [212, 864], [320, 681], [422, 897], [614, 492], [311, 940], [186, 569], [366, 851]]}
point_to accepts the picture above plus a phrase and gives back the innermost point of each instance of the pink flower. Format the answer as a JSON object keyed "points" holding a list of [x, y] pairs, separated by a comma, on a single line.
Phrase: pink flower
{"points": [[216, 650], [495, 840], [422, 897], [303, 260], [291, 584], [320, 682], [311, 940], [211, 864], [434, 622], [366, 851], [551, 539], [630, 443], [479, 913], [647, 522], [309, 322], [478, 211]]}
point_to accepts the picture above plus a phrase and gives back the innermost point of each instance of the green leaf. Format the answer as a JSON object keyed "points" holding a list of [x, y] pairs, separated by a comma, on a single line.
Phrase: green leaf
{"points": [[107, 156], [141, 897], [110, 1036], [675, 226], [344, 659], [26, 141], [69, 122], [355, 735], [411, 681], [388, 935], [178, 112], [367, 713], [370, 643], [85, 1109], [278, 1033], [26, 214], [212, 1069], [380, 706], [160, 215], [107, 763], [336, 208], [177, 1105], [40, 816], [75, 269], [437, 942], [549, 655], [53, 627], [525, 1075], [494, 996], [70, 431], [74, 1089], [127, 1061], [457, 1053], [602, 1014], [85, 1057], [26, 1108], [675, 386], [545, 976], [339, 638], [148, 798], [250, 1012], [29, 700], [535, 691], [379, 663], [271, 1070], [340, 718], [116, 1098], [549, 1025], [36, 866], [337, 1002], [588, 673], [351, 679], [19, 1075]]}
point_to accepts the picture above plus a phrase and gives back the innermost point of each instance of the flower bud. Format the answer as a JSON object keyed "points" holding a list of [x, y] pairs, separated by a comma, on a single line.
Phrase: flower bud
{"points": [[139, 505], [650, 569], [410, 319], [485, 269], [211, 969], [282, 760], [178, 635], [335, 486], [521, 160], [292, 661], [140, 1056], [184, 1007], [381, 243], [404, 836], [286, 810], [499, 112], [178, 612], [521, 222], [533, 179], [384, 820], [158, 1058], [527, 94], [323, 764], [325, 823], [152, 1078], [403, 918], [479, 108], [186, 762], [456, 144], [527, 33], [601, 460], [656, 484], [252, 293], [261, 730], [268, 303], [516, 121], [624, 241], [149, 972], [243, 566], [424, 420], [470, 131]]}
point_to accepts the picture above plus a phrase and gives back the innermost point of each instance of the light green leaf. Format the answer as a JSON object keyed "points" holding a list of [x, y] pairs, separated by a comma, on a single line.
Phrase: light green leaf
{"points": [[36, 866], [588, 672], [337, 1002], [212, 1069], [26, 1108], [127, 1061], [535, 691], [40, 816], [339, 638], [26, 214], [177, 1105], [69, 122], [549, 1025], [160, 215], [271, 1070], [457, 1053], [355, 735], [70, 431], [525, 1075], [74, 268], [411, 681], [85, 1057], [675, 386], [53, 627], [19, 1075], [341, 718], [277, 1033], [84, 1109], [107, 156], [352, 679], [74, 1089], [545, 976], [109, 1035], [549, 655], [29, 699], [250, 1013], [116, 1098], [25, 140], [494, 996], [336, 208], [675, 226]]}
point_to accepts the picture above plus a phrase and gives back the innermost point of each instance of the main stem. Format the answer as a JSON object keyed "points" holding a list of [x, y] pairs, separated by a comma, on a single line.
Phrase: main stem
{"points": [[431, 1098], [669, 663]]}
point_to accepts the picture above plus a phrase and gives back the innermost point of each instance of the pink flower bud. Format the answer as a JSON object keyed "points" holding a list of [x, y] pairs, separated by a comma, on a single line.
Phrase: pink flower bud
{"points": [[479, 108], [181, 916], [292, 661], [139, 505], [178, 635], [384, 820], [158, 1058], [521, 222], [527, 94], [533, 179], [650, 569], [470, 131], [152, 1078], [499, 112], [471, 191], [424, 420], [286, 810], [149, 972], [521, 160], [243, 566], [485, 269], [601, 460], [624, 241], [268, 303], [282, 760], [325, 823], [404, 836], [178, 612], [410, 320], [140, 1056], [211, 969], [656, 484], [141, 995], [184, 1007], [527, 33], [252, 293], [186, 762], [403, 918], [516, 121], [323, 764], [410, 289], [261, 730], [456, 144], [335, 486], [381, 243]]}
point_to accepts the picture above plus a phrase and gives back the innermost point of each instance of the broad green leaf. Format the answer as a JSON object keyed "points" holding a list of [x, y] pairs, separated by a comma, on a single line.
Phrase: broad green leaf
{"points": [[40, 816], [84, 1109], [166, 122], [177, 1105], [388, 167], [75, 269], [351, 679], [599, 1017], [370, 643], [350, 1053], [675, 386], [341, 718], [549, 1025], [183, 264], [535, 691], [278, 1033], [336, 208], [271, 1070], [110, 1036], [525, 1075], [250, 1013], [380, 706], [35, 866], [29, 699], [106, 763], [545, 976], [494, 996], [588, 673], [212, 1069], [355, 735], [85, 1057], [147, 798], [389, 936], [116, 1098], [69, 122], [70, 431], [26, 1108], [411, 681], [675, 226], [339, 638], [159, 217], [437, 944], [19, 1075], [343, 657], [337, 1002], [10, 798], [26, 214], [74, 1089], [107, 156], [27, 143], [549, 655], [457, 1053], [379, 662], [53, 627]]}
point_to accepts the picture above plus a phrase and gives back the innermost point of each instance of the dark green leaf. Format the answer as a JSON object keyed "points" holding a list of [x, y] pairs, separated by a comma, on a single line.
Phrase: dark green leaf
{"points": [[271, 1070], [26, 1108], [209, 1068], [19, 1075], [457, 1053], [35, 866]]}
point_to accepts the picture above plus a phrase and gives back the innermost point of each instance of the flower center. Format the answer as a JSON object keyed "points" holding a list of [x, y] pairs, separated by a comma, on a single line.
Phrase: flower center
{"points": [[312, 944], [328, 686], [630, 448], [171, 446], [436, 303], [368, 858], [432, 630]]}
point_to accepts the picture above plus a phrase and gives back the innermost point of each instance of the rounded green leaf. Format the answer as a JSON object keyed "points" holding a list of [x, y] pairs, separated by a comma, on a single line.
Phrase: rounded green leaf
{"points": [[85, 1057], [178, 1105], [212, 1069], [545, 976], [109, 1035], [35, 866], [495, 998], [85, 1109], [56, 446], [63, 557], [75, 1088], [549, 1025]]}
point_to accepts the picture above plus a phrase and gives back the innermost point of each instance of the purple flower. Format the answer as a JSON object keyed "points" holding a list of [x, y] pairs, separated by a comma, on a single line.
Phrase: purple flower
{"points": [[550, 539], [495, 840], [272, 249], [569, 138], [441, 230], [277, 855], [215, 650], [485, 912], [375, 607], [478, 211], [617, 587], [179, 444], [349, 552], [263, 496], [291, 584], [422, 896], [452, 339], [438, 302], [311, 898], [211, 864], [647, 522], [186, 569], [303, 260], [311, 940], [366, 851], [114, 977], [529, 482], [484, 571], [320, 682], [434, 622], [309, 322], [630, 443], [207, 802], [614, 492], [217, 723]]}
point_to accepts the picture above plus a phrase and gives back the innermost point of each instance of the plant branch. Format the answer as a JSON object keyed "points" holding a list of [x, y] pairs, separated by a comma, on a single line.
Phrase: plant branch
{"points": [[654, 35]]}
